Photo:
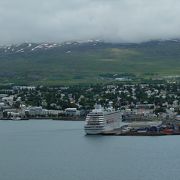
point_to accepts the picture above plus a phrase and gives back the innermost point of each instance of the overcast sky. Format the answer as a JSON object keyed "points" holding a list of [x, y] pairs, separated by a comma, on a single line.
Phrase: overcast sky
{"points": [[109, 20]]}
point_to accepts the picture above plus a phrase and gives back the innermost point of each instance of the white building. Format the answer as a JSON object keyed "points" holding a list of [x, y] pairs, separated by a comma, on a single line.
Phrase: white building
{"points": [[55, 112], [34, 111], [72, 112], [8, 99], [24, 87]]}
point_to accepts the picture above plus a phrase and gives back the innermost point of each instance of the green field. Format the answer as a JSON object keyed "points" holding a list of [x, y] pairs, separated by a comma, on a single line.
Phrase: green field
{"points": [[85, 65]]}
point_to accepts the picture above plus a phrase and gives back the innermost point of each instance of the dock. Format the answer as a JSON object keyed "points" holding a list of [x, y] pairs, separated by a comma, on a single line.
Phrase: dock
{"points": [[118, 132]]}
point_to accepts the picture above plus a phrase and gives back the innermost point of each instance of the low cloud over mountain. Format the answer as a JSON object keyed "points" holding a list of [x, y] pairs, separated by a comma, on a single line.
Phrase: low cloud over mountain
{"points": [[73, 20]]}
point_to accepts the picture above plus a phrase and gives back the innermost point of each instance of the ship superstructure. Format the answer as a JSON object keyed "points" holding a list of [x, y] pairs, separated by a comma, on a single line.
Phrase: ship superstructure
{"points": [[102, 120]]}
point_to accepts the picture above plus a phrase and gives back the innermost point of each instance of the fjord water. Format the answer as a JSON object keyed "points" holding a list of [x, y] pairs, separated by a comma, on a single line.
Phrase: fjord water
{"points": [[57, 150]]}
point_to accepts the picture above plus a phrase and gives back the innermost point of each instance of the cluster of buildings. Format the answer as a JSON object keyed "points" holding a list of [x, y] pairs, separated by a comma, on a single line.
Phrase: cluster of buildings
{"points": [[38, 112], [136, 101], [12, 106]]}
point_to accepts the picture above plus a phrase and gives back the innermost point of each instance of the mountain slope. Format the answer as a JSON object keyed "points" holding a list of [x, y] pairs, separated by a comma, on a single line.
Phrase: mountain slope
{"points": [[86, 61]]}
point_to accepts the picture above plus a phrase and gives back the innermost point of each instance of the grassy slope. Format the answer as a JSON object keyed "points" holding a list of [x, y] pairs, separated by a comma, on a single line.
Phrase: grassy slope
{"points": [[86, 65]]}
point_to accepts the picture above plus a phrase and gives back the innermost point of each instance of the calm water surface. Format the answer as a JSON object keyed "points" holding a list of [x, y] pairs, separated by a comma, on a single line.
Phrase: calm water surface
{"points": [[57, 150]]}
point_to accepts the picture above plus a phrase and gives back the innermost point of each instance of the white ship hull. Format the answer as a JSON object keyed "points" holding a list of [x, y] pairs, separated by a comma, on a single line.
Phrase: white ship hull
{"points": [[94, 130]]}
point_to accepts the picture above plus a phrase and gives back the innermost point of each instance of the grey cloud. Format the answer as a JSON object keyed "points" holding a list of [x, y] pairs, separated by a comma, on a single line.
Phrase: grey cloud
{"points": [[109, 20]]}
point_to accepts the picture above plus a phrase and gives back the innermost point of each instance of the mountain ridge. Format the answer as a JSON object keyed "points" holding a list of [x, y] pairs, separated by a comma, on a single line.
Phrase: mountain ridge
{"points": [[33, 47], [79, 62]]}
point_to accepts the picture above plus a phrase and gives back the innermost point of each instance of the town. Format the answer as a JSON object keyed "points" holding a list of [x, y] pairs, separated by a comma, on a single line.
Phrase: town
{"points": [[160, 100]]}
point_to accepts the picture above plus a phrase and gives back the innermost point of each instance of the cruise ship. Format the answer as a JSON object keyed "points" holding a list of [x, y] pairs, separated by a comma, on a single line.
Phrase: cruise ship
{"points": [[102, 120]]}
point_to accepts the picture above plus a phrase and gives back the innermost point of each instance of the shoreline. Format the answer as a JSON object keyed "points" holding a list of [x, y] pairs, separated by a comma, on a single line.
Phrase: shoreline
{"points": [[39, 118]]}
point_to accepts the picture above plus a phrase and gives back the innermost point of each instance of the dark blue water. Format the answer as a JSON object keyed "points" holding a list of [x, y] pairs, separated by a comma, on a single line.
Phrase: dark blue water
{"points": [[57, 150]]}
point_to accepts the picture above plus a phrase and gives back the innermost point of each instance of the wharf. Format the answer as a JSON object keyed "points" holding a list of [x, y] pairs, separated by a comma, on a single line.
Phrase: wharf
{"points": [[118, 132]]}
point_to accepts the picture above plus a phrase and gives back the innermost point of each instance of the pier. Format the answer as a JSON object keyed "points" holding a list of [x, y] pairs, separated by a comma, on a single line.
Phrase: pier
{"points": [[118, 132]]}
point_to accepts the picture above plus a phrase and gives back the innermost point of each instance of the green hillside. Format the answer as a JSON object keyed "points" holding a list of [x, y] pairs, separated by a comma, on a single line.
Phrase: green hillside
{"points": [[76, 63]]}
